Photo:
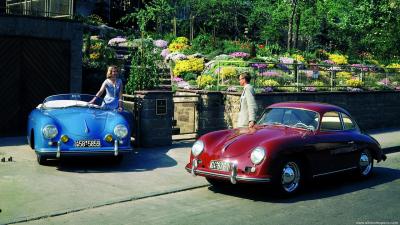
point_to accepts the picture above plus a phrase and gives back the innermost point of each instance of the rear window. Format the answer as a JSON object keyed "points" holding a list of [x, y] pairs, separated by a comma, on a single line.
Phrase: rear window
{"points": [[331, 121], [348, 123]]}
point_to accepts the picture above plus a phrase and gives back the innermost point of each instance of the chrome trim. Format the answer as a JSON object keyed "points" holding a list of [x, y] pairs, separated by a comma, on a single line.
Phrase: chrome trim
{"points": [[58, 154], [228, 177], [336, 171], [115, 147], [194, 167], [234, 174]]}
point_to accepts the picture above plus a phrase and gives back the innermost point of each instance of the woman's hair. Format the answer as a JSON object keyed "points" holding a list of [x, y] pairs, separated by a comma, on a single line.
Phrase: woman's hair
{"points": [[108, 75]]}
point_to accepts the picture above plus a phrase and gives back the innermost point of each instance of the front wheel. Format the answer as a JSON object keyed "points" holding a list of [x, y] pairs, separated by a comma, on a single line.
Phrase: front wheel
{"points": [[365, 164], [288, 178], [42, 160]]}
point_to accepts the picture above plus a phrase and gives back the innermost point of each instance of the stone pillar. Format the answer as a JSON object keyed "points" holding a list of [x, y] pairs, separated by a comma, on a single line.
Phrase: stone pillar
{"points": [[154, 123], [210, 112]]}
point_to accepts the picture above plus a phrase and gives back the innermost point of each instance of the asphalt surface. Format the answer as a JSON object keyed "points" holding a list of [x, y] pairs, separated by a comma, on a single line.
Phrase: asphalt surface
{"points": [[73, 188]]}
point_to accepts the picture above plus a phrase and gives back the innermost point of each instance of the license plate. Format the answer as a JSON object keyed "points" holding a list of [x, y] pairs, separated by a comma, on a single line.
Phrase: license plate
{"points": [[221, 166], [87, 143]]}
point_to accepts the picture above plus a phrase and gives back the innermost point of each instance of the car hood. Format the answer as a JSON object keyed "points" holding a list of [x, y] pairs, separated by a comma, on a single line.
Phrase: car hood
{"points": [[242, 140], [82, 122]]}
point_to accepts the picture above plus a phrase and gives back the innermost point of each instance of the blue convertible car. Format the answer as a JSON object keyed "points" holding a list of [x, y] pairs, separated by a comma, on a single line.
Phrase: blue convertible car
{"points": [[77, 124]]}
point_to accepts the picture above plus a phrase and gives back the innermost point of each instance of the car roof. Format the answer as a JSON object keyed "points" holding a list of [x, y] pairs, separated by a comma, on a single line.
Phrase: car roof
{"points": [[313, 106]]}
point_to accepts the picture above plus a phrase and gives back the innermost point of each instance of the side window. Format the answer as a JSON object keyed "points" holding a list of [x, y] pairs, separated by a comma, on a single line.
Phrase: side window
{"points": [[331, 121], [348, 123]]}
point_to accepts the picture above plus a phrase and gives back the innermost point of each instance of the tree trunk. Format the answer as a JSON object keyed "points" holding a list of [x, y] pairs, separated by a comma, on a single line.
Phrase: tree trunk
{"points": [[290, 28], [296, 36]]}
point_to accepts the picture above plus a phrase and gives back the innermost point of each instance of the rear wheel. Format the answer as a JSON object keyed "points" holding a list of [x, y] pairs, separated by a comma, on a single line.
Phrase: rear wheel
{"points": [[365, 164], [288, 178]]}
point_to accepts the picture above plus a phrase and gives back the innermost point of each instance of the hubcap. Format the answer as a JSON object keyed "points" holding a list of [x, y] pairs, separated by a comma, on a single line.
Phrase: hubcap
{"points": [[290, 177], [365, 163]]}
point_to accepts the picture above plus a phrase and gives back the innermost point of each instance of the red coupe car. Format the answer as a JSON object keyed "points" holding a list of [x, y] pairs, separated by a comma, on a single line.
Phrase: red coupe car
{"points": [[291, 142]]}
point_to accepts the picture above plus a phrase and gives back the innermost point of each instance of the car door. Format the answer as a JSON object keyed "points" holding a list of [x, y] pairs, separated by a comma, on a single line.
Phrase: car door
{"points": [[332, 145]]}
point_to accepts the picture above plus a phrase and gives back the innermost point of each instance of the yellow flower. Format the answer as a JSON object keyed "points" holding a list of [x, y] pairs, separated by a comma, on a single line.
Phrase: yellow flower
{"points": [[228, 71], [393, 66], [298, 58], [343, 75], [175, 46], [189, 65], [354, 83], [338, 59], [94, 56], [270, 83], [204, 80]]}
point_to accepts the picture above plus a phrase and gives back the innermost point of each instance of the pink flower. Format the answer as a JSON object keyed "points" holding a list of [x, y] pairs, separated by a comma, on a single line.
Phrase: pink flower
{"points": [[240, 55], [270, 74], [117, 40], [160, 43], [165, 52]]}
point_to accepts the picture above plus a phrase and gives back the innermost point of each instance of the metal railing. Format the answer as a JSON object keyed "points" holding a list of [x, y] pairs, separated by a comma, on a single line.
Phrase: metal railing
{"points": [[303, 77], [40, 8]]}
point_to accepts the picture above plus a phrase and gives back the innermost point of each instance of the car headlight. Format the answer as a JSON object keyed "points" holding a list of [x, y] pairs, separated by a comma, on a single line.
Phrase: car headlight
{"points": [[257, 155], [121, 131], [197, 148], [50, 131]]}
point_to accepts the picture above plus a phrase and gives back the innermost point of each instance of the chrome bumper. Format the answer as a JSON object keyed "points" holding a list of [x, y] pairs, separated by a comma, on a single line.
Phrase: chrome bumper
{"points": [[233, 177]]}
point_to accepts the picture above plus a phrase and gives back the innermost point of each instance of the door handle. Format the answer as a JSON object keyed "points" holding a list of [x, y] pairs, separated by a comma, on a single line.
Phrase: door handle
{"points": [[350, 142]]}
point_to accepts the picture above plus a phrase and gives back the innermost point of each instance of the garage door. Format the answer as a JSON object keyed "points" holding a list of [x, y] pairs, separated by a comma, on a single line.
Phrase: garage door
{"points": [[31, 69]]}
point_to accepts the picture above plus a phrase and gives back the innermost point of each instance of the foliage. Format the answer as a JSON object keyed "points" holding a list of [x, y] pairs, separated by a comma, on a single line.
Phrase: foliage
{"points": [[144, 73], [159, 12], [97, 54]]}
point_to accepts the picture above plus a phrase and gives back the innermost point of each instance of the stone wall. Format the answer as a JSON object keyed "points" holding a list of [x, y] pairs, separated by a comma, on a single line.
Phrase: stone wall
{"points": [[371, 110], [185, 112]]}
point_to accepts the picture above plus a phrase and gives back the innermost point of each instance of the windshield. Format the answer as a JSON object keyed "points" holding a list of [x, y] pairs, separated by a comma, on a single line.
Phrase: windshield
{"points": [[72, 100], [290, 117]]}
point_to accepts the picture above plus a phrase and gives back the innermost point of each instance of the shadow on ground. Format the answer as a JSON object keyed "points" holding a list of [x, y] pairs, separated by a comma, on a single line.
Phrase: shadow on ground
{"points": [[320, 188]]}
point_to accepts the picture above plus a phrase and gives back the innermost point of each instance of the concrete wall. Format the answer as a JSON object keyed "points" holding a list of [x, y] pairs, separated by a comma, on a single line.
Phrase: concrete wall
{"points": [[37, 27], [371, 110]]}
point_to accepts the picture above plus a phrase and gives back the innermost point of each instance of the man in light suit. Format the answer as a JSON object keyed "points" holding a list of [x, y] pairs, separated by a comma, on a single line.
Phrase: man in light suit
{"points": [[248, 107]]}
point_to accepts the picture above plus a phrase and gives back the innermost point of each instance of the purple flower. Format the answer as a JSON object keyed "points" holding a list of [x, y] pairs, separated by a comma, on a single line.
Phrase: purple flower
{"points": [[165, 52], [183, 84], [259, 65], [177, 79], [232, 89], [160, 43], [270, 74], [284, 68], [360, 67], [267, 89], [117, 40], [310, 89], [384, 81], [240, 55], [350, 89], [286, 60], [328, 62]]}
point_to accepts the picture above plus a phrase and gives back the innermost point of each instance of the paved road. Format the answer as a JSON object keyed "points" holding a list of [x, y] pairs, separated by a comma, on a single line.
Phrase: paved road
{"points": [[152, 186], [332, 201]]}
